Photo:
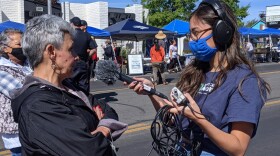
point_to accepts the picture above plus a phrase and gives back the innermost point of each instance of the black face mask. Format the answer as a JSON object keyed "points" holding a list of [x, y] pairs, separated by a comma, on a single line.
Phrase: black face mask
{"points": [[18, 53]]}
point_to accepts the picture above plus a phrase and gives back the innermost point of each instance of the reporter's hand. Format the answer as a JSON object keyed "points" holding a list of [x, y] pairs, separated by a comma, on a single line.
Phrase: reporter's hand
{"points": [[193, 114], [137, 85], [104, 130]]}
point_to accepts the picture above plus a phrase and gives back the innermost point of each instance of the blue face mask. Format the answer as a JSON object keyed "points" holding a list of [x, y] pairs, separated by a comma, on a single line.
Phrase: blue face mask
{"points": [[201, 50]]}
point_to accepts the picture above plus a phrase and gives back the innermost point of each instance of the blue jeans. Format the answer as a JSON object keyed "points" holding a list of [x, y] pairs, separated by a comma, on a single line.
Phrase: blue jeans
{"points": [[203, 153], [16, 151]]}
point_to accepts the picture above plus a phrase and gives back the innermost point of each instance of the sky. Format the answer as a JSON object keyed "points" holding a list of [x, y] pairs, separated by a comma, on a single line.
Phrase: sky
{"points": [[256, 5]]}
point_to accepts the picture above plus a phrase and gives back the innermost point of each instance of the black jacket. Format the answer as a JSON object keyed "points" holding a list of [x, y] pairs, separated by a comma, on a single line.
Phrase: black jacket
{"points": [[55, 122], [82, 42]]}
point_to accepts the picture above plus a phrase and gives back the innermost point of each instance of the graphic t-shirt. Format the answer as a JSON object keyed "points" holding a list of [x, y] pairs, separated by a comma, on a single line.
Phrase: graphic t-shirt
{"points": [[225, 104], [174, 50]]}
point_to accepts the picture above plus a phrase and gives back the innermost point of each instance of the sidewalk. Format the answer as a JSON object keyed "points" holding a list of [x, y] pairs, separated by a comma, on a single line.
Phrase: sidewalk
{"points": [[266, 64]]}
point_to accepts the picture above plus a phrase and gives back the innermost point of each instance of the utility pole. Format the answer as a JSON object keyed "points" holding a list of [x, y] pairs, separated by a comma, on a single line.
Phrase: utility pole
{"points": [[49, 7]]}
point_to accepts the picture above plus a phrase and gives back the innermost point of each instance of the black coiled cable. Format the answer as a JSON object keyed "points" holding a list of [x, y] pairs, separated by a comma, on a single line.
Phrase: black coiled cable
{"points": [[167, 131]]}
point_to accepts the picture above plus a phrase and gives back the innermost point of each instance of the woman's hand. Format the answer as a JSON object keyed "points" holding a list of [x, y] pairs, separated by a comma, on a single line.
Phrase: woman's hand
{"points": [[104, 130], [192, 113], [98, 110], [137, 85]]}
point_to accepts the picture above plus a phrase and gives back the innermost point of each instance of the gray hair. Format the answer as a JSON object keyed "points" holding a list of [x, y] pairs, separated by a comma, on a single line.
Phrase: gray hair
{"points": [[5, 37], [41, 31]]}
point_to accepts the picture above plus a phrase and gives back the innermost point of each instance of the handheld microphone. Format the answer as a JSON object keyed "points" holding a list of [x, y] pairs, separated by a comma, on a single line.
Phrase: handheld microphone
{"points": [[108, 72]]}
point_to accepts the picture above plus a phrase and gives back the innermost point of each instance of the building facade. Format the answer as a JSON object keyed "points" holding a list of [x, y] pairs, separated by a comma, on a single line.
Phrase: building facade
{"points": [[22, 10], [97, 14], [100, 15]]}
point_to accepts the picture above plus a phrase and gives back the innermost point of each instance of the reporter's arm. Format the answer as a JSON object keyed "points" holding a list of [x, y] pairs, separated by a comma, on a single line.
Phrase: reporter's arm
{"points": [[243, 113], [158, 102], [234, 143]]}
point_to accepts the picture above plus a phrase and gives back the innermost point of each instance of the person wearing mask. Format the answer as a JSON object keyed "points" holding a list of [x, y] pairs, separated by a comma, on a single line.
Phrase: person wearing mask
{"points": [[13, 69], [83, 49], [157, 54], [225, 93], [173, 54], [54, 117]]}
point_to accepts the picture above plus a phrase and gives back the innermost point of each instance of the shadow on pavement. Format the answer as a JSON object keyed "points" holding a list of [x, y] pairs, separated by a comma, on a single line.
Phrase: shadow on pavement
{"points": [[108, 97]]}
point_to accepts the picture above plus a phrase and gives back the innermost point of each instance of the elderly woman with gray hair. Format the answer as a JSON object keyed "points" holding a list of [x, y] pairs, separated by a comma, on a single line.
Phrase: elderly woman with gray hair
{"points": [[54, 118], [13, 69]]}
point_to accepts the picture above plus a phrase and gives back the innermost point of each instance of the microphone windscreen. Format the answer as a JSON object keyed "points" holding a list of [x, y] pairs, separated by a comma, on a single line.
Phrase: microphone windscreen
{"points": [[106, 71]]}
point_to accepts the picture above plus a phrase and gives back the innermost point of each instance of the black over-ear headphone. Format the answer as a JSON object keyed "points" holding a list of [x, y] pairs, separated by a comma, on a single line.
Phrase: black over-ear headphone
{"points": [[223, 28]]}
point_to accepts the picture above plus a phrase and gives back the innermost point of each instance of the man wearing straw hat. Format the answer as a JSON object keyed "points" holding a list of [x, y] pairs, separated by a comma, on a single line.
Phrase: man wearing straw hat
{"points": [[161, 36]]}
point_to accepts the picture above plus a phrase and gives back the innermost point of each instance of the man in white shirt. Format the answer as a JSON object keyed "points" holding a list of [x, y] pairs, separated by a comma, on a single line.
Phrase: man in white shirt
{"points": [[249, 50]]}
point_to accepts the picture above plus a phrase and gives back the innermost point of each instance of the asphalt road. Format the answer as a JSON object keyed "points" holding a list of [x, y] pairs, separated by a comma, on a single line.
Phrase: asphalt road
{"points": [[266, 141], [138, 112]]}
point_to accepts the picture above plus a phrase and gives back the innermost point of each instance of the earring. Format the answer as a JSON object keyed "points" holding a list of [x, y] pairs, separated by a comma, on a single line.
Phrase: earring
{"points": [[53, 65]]}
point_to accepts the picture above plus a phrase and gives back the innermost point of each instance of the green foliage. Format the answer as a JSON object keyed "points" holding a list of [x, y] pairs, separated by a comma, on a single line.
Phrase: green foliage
{"points": [[124, 53], [239, 11], [161, 12], [249, 24]]}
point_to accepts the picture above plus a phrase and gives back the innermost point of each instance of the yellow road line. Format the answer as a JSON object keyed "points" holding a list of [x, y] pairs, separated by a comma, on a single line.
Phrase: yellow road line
{"points": [[276, 72], [272, 103], [136, 125], [5, 153], [147, 126]]}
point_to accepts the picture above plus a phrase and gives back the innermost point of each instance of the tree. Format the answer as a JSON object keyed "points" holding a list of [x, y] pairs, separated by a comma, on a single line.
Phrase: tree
{"points": [[250, 23], [239, 12], [161, 12]]}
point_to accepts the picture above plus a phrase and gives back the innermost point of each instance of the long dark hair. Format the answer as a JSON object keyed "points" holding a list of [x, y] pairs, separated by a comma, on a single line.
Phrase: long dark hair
{"points": [[157, 47], [194, 74]]}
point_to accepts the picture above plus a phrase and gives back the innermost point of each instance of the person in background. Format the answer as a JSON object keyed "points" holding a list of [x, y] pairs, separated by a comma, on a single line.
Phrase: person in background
{"points": [[173, 54], [94, 60], [117, 50], [249, 50], [93, 42], [83, 48], [108, 51], [93, 53], [54, 117], [161, 39], [157, 59], [224, 91], [13, 69]]}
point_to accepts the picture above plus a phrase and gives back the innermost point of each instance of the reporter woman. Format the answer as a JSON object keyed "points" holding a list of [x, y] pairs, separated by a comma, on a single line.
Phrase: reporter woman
{"points": [[54, 118], [224, 91]]}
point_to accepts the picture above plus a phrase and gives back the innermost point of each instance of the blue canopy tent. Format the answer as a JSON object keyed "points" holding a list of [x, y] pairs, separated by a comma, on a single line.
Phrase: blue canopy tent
{"points": [[180, 27], [272, 31], [250, 32], [97, 32], [132, 30], [11, 24]]}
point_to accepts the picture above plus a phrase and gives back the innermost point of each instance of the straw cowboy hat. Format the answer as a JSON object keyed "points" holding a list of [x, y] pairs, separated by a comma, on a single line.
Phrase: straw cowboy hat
{"points": [[160, 35]]}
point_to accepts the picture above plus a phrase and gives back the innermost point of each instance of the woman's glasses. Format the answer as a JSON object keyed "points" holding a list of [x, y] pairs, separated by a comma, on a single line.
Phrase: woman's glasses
{"points": [[196, 35]]}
